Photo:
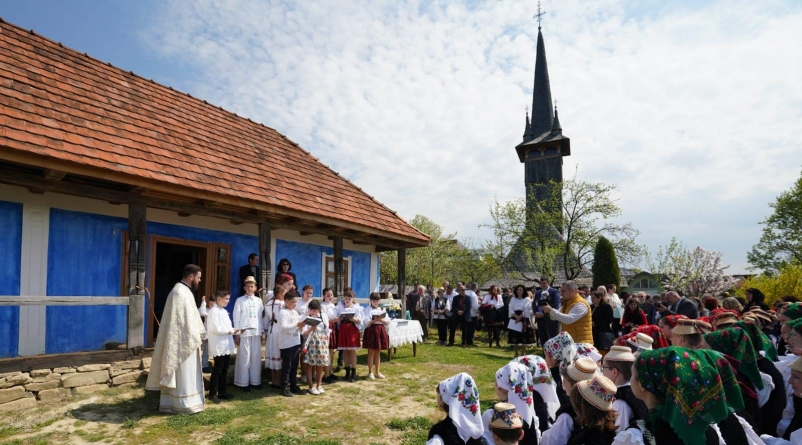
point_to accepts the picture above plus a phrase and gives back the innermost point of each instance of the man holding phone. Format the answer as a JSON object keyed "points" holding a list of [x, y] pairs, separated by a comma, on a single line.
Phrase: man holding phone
{"points": [[547, 295], [677, 305]]}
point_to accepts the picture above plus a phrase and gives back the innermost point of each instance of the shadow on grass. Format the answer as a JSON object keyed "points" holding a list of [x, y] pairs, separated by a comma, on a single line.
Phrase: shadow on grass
{"points": [[120, 411]]}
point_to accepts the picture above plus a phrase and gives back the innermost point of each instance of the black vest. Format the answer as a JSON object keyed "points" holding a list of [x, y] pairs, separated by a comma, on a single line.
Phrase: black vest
{"points": [[639, 410], [448, 432], [665, 435], [583, 436]]}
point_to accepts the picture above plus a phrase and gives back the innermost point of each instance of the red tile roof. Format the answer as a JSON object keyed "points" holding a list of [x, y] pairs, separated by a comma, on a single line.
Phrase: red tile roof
{"points": [[66, 106]]}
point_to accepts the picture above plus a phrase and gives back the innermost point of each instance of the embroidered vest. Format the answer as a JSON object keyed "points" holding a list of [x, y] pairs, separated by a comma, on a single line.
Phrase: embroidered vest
{"points": [[581, 330]]}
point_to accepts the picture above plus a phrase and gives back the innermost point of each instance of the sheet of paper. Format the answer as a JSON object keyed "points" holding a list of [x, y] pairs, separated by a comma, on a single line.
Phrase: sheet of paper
{"points": [[517, 326]]}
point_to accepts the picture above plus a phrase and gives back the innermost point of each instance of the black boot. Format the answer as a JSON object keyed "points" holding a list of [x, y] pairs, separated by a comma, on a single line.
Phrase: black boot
{"points": [[353, 375]]}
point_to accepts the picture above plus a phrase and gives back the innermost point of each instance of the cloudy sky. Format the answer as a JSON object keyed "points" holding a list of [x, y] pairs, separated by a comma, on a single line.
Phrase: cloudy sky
{"points": [[694, 108]]}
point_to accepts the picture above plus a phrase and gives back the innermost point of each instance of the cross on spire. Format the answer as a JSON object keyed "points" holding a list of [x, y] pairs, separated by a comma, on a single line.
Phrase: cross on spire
{"points": [[539, 15]]}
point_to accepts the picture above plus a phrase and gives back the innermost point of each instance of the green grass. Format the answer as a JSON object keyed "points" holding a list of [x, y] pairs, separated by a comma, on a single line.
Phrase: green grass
{"points": [[399, 410]]}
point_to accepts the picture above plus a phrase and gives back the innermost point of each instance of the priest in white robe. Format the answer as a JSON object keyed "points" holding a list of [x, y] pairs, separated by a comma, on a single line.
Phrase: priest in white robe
{"points": [[176, 366]]}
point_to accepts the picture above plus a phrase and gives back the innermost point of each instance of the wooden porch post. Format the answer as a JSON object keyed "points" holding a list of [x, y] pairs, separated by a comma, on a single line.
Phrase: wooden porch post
{"points": [[402, 280], [265, 265], [339, 267], [137, 251]]}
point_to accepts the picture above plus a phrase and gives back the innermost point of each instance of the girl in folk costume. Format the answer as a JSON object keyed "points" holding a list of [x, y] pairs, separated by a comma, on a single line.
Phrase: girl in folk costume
{"points": [[544, 398], [316, 348], [221, 345], [351, 317], [559, 352], [688, 392], [375, 337], [458, 396], [736, 347], [668, 323], [514, 385], [271, 329], [520, 311], [329, 309], [582, 369], [791, 433], [590, 351], [492, 315], [592, 401], [248, 313], [441, 308], [301, 309]]}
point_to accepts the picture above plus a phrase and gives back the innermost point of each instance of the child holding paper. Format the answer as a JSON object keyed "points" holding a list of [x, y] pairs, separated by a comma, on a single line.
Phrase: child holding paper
{"points": [[350, 316], [316, 348], [375, 338], [221, 345]]}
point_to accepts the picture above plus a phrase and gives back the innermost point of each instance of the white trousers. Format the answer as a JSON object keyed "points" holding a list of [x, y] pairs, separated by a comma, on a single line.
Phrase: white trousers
{"points": [[187, 396], [248, 367]]}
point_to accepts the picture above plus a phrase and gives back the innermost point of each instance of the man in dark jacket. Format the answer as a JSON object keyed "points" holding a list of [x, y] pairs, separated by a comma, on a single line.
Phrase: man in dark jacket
{"points": [[676, 305], [546, 328], [460, 314], [250, 270]]}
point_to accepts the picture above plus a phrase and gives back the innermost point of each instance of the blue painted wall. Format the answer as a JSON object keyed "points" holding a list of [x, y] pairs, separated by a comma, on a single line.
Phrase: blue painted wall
{"points": [[10, 264], [307, 265]]}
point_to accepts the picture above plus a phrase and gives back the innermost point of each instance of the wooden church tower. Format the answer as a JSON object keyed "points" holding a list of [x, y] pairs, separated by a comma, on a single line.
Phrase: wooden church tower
{"points": [[543, 145]]}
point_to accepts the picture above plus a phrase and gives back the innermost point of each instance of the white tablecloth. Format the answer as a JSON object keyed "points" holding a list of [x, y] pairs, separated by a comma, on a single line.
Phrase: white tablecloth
{"points": [[404, 332]]}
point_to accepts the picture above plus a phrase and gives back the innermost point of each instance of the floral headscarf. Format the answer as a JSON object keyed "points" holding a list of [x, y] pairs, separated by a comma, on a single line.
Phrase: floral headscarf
{"points": [[462, 397], [541, 380], [588, 350], [672, 319], [698, 388], [760, 341], [660, 340], [622, 340], [515, 379], [561, 348], [793, 311], [736, 343], [716, 313]]}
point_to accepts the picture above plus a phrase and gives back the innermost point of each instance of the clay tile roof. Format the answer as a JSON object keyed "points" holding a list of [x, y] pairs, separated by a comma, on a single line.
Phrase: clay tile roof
{"points": [[68, 107]]}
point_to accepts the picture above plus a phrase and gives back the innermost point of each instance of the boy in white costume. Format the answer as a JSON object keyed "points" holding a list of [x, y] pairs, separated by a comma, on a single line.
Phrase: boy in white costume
{"points": [[248, 311]]}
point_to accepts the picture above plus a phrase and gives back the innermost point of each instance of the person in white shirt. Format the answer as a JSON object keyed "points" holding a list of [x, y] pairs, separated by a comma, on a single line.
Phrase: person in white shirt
{"points": [[329, 309], [351, 317], [473, 293], [375, 337], [290, 325], [271, 330], [520, 332], [492, 316], [617, 366], [203, 310], [301, 309], [316, 348], [248, 313], [220, 342], [582, 369], [450, 293], [441, 307]]}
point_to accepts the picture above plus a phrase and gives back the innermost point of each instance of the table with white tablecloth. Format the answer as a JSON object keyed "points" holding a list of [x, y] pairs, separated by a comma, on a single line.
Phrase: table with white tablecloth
{"points": [[402, 332]]}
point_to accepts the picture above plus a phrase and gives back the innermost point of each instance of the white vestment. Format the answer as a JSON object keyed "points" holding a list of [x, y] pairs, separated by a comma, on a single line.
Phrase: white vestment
{"points": [[176, 366]]}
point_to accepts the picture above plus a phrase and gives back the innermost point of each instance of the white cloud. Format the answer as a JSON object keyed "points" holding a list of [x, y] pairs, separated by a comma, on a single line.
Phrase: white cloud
{"points": [[693, 110]]}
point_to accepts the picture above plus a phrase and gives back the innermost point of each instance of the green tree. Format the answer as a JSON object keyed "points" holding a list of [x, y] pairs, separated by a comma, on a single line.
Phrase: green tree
{"points": [[560, 233], [781, 241], [787, 281], [605, 264], [424, 265]]}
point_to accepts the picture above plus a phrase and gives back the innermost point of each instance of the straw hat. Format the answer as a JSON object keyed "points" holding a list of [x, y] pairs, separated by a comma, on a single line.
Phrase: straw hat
{"points": [[641, 341], [620, 354], [704, 326], [583, 368], [598, 391], [796, 365], [686, 327], [250, 280], [725, 320], [505, 417]]}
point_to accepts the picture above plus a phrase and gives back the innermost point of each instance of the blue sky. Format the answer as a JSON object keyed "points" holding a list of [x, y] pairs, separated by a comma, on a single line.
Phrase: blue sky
{"points": [[693, 108]]}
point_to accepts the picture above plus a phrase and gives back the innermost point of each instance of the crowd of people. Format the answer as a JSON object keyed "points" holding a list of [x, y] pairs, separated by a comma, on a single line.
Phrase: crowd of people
{"points": [[634, 369], [622, 370]]}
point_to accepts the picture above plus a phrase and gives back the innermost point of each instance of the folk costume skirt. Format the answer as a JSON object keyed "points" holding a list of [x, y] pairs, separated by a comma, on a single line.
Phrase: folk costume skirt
{"points": [[317, 349], [525, 337], [376, 337], [333, 335], [348, 337], [272, 350]]}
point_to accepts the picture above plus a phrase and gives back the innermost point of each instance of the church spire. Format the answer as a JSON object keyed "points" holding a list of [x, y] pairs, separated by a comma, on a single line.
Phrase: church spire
{"points": [[542, 114], [556, 127], [528, 127]]}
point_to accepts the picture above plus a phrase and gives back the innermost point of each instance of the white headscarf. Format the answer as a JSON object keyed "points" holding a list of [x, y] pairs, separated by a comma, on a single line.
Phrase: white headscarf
{"points": [[461, 395], [588, 350], [542, 381], [516, 380], [561, 348]]}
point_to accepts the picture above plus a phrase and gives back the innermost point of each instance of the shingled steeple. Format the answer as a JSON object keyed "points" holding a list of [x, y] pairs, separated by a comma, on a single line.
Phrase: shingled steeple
{"points": [[542, 114]]}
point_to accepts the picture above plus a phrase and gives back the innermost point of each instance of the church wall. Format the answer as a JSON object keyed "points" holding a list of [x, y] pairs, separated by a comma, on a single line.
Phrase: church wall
{"points": [[308, 264]]}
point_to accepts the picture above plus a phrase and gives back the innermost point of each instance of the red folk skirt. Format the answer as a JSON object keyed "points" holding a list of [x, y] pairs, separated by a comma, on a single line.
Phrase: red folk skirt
{"points": [[333, 335], [348, 337], [376, 337]]}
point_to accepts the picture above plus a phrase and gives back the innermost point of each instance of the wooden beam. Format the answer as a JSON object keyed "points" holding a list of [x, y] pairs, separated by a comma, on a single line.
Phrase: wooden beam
{"points": [[137, 263], [265, 246], [184, 214], [235, 222], [402, 280], [339, 267], [26, 300], [54, 175], [306, 233], [26, 364]]}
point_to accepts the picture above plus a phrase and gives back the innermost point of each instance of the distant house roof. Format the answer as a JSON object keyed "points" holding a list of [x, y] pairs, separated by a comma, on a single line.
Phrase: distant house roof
{"points": [[63, 109]]}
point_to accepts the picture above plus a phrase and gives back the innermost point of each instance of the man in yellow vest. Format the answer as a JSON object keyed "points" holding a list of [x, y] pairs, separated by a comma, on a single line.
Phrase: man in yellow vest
{"points": [[575, 314]]}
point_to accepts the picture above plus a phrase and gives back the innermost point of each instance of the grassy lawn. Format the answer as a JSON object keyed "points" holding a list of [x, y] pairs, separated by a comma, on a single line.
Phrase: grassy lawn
{"points": [[398, 410]]}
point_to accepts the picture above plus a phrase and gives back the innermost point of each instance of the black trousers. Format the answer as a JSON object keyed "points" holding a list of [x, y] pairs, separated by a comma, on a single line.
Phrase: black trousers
{"points": [[289, 366], [217, 383], [472, 329], [455, 323], [546, 329], [442, 329]]}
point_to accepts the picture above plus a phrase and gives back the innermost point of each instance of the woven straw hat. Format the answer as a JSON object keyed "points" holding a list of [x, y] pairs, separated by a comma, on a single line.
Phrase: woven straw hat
{"points": [[583, 368], [505, 417], [598, 391], [620, 354]]}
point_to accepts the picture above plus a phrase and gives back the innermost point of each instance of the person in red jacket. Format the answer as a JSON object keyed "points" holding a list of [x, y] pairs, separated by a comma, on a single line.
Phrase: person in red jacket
{"points": [[633, 316]]}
